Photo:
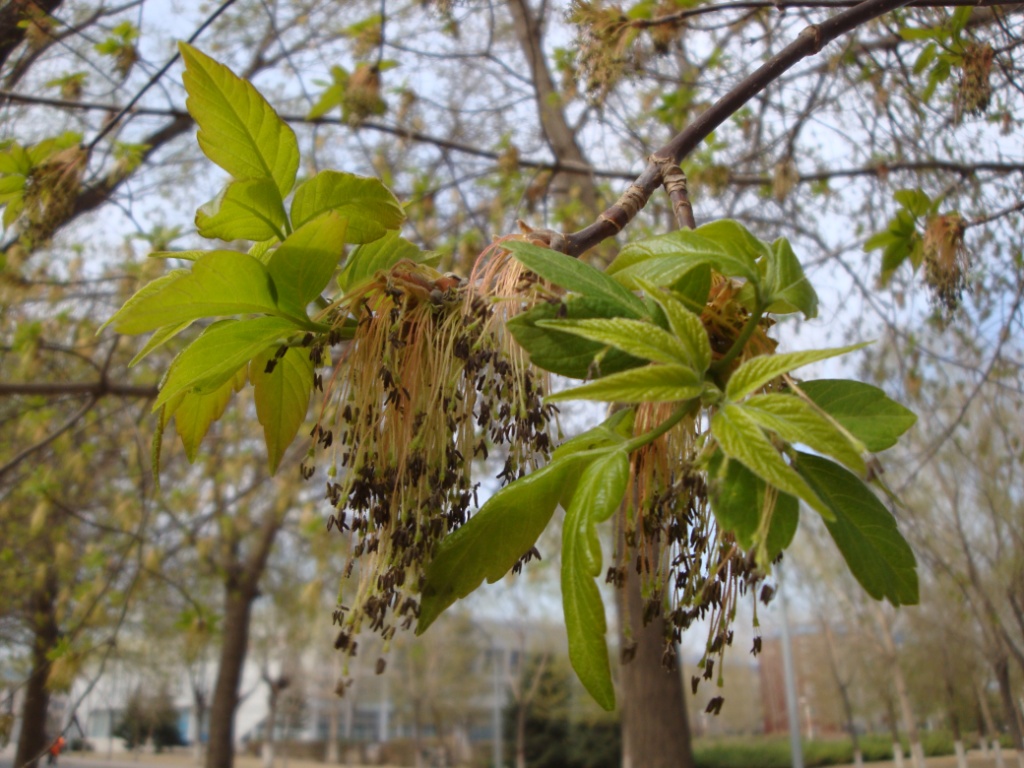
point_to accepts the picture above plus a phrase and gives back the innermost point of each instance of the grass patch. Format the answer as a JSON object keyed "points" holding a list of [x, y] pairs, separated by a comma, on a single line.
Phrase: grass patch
{"points": [[773, 751]]}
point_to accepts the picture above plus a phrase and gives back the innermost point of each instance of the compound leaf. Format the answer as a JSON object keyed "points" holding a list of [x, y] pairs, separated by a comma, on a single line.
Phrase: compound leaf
{"points": [[369, 206], [238, 129]]}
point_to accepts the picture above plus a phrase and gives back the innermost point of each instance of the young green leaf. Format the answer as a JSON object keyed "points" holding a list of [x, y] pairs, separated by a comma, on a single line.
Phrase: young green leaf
{"points": [[786, 287], [383, 253], [220, 283], [740, 500], [865, 532], [215, 356], [282, 397], [598, 494], [369, 206], [238, 129], [657, 270], [613, 431], [865, 411], [494, 539], [244, 210], [634, 337], [685, 325], [758, 371], [652, 383], [160, 337], [564, 353], [797, 421], [195, 412], [144, 294], [302, 265], [740, 438], [576, 276], [724, 245]]}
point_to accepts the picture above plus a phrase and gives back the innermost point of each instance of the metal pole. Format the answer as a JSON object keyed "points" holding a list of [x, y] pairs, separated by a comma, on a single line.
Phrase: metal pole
{"points": [[498, 757], [792, 715]]}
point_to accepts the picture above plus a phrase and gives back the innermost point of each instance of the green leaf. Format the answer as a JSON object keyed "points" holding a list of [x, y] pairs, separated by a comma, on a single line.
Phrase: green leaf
{"points": [[634, 337], [366, 260], [742, 439], [220, 283], [724, 245], [143, 295], [865, 532], [493, 540], [195, 412], [332, 96], [740, 500], [658, 270], [786, 287], [244, 210], [282, 397], [687, 327], [785, 519], [564, 353], [160, 337], [599, 492], [865, 411], [369, 206], [652, 383], [613, 431], [303, 264], [797, 421], [758, 371], [881, 240], [916, 201], [215, 356], [575, 275], [238, 129]]}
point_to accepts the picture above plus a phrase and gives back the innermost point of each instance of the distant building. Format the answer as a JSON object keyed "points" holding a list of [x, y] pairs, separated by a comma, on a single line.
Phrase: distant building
{"points": [[817, 698]]}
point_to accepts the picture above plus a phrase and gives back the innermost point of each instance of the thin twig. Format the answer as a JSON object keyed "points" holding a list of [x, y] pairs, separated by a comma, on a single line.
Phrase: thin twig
{"points": [[808, 43], [75, 418], [112, 123]]}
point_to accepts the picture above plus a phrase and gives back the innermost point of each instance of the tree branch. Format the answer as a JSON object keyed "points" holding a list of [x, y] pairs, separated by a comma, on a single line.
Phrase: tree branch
{"points": [[24, 454], [808, 43], [94, 389], [745, 5]]}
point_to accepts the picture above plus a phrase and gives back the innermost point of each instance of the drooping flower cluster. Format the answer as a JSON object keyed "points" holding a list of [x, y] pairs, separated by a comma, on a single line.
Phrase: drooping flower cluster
{"points": [[427, 385]]}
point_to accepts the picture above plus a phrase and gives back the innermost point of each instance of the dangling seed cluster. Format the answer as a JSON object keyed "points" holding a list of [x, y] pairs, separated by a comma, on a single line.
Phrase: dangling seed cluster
{"points": [[946, 262], [689, 569], [425, 387], [975, 91]]}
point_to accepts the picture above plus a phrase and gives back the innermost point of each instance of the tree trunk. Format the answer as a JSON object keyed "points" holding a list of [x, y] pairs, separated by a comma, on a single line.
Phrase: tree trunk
{"points": [[333, 754], [902, 696], [559, 135], [894, 730], [1001, 667], [954, 721], [32, 740], [198, 716], [990, 726], [220, 750], [268, 728], [521, 711], [844, 693], [655, 728]]}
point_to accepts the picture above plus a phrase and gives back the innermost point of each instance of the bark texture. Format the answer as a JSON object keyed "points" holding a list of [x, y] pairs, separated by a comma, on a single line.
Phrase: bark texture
{"points": [[33, 739], [241, 588], [655, 726]]}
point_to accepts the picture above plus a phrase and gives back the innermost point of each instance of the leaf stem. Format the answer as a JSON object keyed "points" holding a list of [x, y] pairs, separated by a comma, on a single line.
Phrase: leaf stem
{"points": [[741, 341], [649, 437]]}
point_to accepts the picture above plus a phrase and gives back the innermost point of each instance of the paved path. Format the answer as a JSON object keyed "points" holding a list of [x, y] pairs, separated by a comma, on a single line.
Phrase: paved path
{"points": [[975, 759]]}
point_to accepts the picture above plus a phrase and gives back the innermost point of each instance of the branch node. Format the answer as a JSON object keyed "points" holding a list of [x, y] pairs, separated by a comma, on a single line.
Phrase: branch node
{"points": [[814, 32], [675, 185]]}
